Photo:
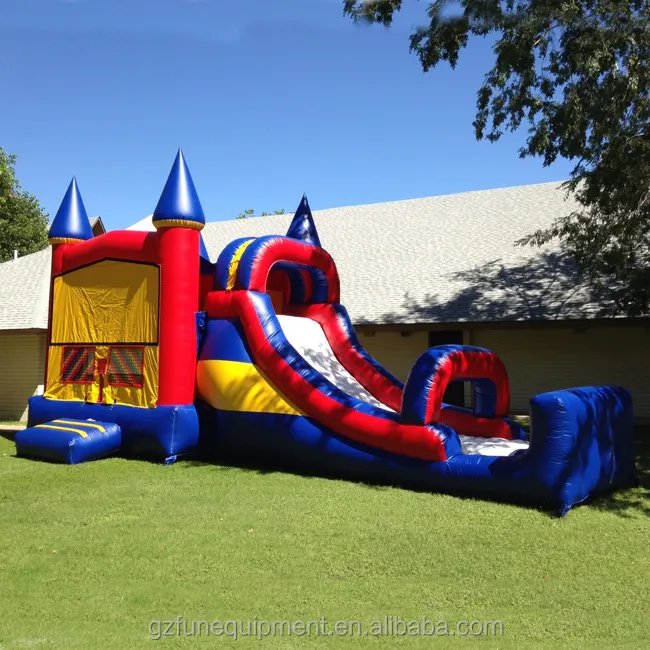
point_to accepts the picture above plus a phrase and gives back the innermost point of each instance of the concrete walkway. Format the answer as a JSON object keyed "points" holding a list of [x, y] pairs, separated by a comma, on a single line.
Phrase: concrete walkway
{"points": [[12, 428]]}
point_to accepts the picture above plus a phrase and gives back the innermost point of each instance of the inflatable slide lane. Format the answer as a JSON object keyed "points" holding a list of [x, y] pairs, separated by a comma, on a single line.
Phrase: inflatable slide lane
{"points": [[281, 373]]}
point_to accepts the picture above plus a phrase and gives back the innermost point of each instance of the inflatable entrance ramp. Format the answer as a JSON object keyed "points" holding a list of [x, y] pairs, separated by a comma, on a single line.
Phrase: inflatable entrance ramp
{"points": [[69, 441]]}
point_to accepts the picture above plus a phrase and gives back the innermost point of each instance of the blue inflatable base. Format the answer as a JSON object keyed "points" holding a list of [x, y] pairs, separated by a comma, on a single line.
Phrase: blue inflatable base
{"points": [[581, 447], [162, 433], [69, 441]]}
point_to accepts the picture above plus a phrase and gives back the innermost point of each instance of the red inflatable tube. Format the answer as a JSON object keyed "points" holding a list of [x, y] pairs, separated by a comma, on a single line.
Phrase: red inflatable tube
{"points": [[468, 365], [387, 435], [283, 249], [469, 425], [126, 245], [179, 301]]}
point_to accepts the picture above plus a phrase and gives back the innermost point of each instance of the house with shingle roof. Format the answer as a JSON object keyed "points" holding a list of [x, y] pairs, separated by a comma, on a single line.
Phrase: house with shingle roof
{"points": [[414, 273], [97, 226]]}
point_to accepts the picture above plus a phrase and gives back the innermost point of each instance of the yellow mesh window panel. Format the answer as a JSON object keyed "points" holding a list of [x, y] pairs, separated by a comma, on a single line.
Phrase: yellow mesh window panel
{"points": [[98, 386], [129, 383], [72, 373]]}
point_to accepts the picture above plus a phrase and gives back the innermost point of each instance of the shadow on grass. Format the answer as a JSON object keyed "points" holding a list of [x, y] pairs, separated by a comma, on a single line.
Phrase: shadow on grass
{"points": [[264, 465], [623, 502], [626, 502]]}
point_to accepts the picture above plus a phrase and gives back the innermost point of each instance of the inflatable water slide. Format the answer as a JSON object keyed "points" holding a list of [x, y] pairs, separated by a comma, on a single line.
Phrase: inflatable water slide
{"points": [[154, 350]]}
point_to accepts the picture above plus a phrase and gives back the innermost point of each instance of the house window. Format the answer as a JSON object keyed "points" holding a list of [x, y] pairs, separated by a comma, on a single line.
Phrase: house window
{"points": [[78, 365], [125, 366], [455, 393]]}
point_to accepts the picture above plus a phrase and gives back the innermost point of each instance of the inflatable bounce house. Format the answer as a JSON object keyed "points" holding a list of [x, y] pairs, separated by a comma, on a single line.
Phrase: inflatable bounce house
{"points": [[154, 350]]}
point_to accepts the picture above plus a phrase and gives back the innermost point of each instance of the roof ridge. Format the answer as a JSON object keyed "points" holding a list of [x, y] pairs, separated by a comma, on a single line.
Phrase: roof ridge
{"points": [[209, 222], [439, 196]]}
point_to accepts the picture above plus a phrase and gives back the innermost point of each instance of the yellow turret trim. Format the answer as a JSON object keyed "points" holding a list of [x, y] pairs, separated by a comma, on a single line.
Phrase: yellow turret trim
{"points": [[64, 240], [178, 223]]}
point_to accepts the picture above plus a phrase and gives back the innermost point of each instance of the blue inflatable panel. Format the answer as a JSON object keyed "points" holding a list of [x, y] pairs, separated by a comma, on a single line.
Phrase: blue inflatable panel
{"points": [[69, 441], [583, 442]]}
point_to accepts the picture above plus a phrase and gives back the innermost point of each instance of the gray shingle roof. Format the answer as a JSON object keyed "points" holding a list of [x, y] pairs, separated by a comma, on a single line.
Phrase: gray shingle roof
{"points": [[24, 291], [438, 259]]}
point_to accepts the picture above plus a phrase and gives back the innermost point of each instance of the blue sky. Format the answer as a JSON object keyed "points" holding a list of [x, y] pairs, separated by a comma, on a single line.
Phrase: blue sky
{"points": [[268, 99]]}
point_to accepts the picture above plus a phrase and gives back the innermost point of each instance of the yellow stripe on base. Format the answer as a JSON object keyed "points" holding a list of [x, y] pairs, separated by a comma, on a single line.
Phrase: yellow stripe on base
{"points": [[93, 425], [83, 434], [234, 264], [237, 386]]}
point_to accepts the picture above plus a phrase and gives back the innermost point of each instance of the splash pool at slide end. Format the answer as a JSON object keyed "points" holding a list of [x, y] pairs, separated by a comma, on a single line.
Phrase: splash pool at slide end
{"points": [[170, 356]]}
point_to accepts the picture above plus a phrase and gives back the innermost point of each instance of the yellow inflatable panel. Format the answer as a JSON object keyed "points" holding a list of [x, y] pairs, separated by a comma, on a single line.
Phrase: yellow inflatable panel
{"points": [[238, 386]]}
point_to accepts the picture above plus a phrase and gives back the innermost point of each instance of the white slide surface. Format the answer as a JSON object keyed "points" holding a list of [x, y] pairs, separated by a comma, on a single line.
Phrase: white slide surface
{"points": [[490, 446], [310, 342], [308, 339]]}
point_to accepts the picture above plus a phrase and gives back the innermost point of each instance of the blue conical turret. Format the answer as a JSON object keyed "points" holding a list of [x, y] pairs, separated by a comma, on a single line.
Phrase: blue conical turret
{"points": [[302, 226], [179, 204], [71, 223]]}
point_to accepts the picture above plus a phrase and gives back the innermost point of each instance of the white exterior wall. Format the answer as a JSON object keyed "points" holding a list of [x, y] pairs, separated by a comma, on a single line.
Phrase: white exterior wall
{"points": [[537, 360], [22, 367], [395, 352], [543, 359]]}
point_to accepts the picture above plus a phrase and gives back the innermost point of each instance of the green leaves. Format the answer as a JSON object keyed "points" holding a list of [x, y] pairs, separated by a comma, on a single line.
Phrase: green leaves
{"points": [[23, 224], [576, 74], [247, 214], [373, 12]]}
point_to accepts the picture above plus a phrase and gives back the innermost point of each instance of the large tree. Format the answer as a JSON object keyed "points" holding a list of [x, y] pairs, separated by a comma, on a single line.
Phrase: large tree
{"points": [[577, 75], [23, 223]]}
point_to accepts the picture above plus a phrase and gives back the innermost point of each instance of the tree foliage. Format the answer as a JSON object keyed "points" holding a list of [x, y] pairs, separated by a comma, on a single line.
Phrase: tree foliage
{"points": [[576, 74], [247, 214], [23, 223]]}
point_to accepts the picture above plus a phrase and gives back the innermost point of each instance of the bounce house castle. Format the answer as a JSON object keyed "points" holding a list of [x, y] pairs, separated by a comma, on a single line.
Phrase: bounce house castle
{"points": [[153, 350]]}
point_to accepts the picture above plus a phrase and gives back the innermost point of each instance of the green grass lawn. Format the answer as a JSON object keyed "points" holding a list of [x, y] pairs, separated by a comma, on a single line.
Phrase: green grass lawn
{"points": [[90, 554]]}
